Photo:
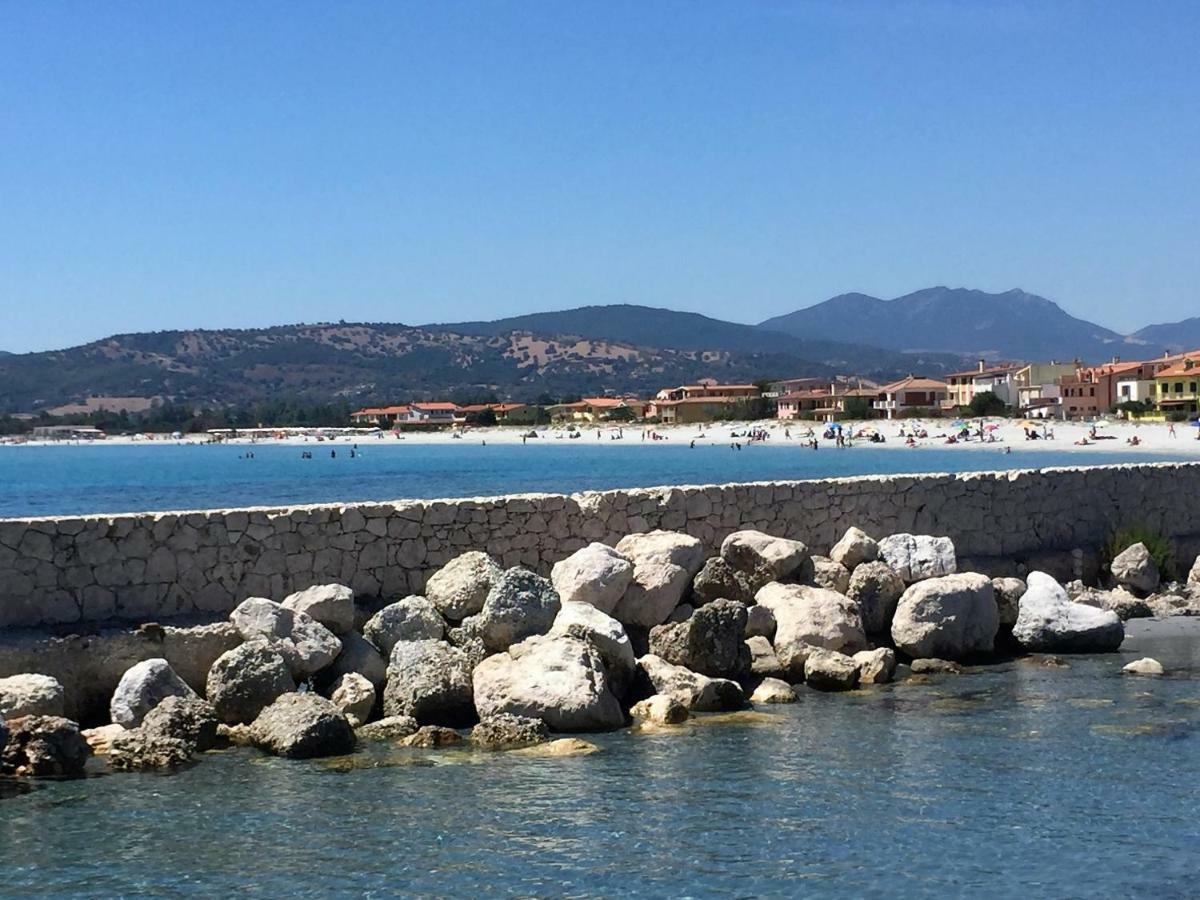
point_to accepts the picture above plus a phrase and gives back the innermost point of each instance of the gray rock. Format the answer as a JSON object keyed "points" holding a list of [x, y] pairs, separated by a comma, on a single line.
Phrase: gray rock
{"points": [[360, 657], [1126, 605], [607, 635], [354, 695], [305, 644], [664, 564], [596, 574], [660, 709], [1008, 593], [138, 750], [1048, 622], [519, 605], [430, 681], [506, 731], [44, 746], [828, 670], [760, 622], [935, 666], [808, 618], [30, 694], [954, 616], [773, 690], [245, 680], [459, 588], [560, 680], [331, 605], [697, 692], [875, 666], [411, 619], [754, 552], [430, 737], [876, 588], [390, 728], [854, 548], [763, 661], [915, 557], [143, 687], [302, 726], [1134, 568], [710, 642], [188, 719], [719, 580], [832, 576], [4, 737], [681, 613]]}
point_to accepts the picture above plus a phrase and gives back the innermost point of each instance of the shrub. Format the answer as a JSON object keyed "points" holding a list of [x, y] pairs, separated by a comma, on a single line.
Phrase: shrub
{"points": [[1177, 416], [986, 403], [1161, 548]]}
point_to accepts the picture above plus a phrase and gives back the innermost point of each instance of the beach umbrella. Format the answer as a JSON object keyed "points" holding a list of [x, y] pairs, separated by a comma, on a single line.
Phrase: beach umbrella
{"points": [[1195, 423], [958, 423], [991, 426]]}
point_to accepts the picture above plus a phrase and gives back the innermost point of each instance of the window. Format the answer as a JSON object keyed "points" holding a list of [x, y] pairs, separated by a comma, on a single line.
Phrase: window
{"points": [[1179, 387], [1192, 388]]}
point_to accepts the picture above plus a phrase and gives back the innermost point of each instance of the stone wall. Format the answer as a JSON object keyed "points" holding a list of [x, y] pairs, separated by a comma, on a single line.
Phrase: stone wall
{"points": [[156, 566]]}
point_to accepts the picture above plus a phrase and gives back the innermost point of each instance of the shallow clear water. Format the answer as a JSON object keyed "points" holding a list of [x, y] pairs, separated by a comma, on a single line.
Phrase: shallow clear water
{"points": [[90, 479], [1019, 780]]}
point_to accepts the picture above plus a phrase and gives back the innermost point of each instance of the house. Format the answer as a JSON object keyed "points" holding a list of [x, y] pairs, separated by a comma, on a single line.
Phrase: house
{"points": [[793, 386], [708, 388], [909, 395], [430, 414], [701, 402], [1092, 390], [962, 387], [800, 404], [383, 416], [1038, 390], [68, 433], [500, 410], [595, 409], [1177, 386]]}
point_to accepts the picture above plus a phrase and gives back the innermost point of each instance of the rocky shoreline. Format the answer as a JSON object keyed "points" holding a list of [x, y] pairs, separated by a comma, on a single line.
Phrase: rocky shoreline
{"points": [[647, 632]]}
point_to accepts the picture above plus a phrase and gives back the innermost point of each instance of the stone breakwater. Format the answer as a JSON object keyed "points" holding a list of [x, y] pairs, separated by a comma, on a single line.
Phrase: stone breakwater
{"points": [[158, 566]]}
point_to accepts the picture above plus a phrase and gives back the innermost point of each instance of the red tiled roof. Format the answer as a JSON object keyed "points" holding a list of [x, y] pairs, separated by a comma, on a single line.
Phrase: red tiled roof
{"points": [[1181, 369], [913, 383], [436, 407]]}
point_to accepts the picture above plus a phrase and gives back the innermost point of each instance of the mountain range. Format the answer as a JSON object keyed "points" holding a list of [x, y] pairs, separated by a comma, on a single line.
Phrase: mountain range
{"points": [[587, 350]]}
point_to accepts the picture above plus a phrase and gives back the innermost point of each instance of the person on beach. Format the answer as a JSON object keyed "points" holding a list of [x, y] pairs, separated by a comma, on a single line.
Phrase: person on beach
{"points": [[1171, 429]]}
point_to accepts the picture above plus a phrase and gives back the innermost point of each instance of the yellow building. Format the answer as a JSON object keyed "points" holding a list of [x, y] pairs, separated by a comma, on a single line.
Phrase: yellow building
{"points": [[1177, 386]]}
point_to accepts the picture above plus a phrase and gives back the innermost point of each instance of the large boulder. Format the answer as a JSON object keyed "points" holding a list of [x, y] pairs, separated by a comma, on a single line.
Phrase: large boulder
{"points": [[951, 617], [430, 681], [1008, 598], [42, 746], [763, 555], [826, 573], [773, 690], [660, 709], [390, 728], [183, 718], [302, 726], [664, 564], [1049, 622], [560, 680], [520, 604], [143, 687], [710, 642], [875, 666], [697, 692], [854, 548], [30, 694], [411, 619], [137, 750], [915, 557], [876, 588], [828, 670], [607, 635], [306, 645], [1194, 574], [807, 618], [506, 732], [763, 661], [596, 574], [458, 589], [331, 605], [760, 622], [719, 580], [245, 680], [360, 657], [1135, 568], [354, 695]]}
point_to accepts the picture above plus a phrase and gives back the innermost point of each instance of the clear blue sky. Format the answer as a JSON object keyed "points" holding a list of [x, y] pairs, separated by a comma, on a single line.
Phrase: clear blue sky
{"points": [[170, 164]]}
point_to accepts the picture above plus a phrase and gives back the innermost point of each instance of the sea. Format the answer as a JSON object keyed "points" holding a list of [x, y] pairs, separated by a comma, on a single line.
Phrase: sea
{"points": [[1015, 780], [98, 478]]}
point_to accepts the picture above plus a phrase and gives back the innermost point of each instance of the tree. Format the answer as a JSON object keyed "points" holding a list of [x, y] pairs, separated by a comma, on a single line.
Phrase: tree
{"points": [[485, 418], [857, 408], [986, 403]]}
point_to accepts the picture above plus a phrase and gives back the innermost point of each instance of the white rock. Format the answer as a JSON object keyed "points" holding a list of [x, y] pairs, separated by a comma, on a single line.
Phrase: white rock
{"points": [[763, 660], [1134, 568], [832, 576], [306, 645], [1194, 574], [754, 551], [698, 693], [411, 619], [828, 670], [773, 690], [606, 634], [332, 605], [143, 687], [460, 587], [856, 546], [354, 695], [30, 694], [950, 617], [596, 574], [664, 564], [660, 709], [875, 666], [918, 556], [1144, 666], [807, 618], [560, 680], [1048, 622]]}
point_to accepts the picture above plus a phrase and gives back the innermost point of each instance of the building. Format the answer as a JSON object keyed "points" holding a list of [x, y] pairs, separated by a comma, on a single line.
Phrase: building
{"points": [[702, 402], [1038, 390], [430, 414], [67, 433], [1177, 386], [793, 386], [962, 387], [595, 409], [708, 389], [801, 404], [383, 416], [909, 395]]}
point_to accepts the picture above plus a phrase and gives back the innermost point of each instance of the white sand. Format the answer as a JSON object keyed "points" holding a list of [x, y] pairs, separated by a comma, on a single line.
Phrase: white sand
{"points": [[1008, 434]]}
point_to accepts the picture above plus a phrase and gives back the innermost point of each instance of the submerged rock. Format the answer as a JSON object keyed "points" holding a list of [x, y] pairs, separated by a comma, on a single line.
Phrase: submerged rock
{"points": [[710, 642], [915, 557], [143, 687], [1049, 622], [828, 670], [430, 737], [559, 748], [505, 731], [245, 680], [664, 564], [44, 746], [660, 709], [302, 726], [596, 574], [773, 690], [390, 728], [934, 666], [30, 694], [1144, 666], [460, 587], [954, 616], [331, 605]]}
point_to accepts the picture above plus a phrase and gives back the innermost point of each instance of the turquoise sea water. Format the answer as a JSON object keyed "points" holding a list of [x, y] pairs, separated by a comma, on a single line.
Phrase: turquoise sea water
{"points": [[1017, 781], [90, 479]]}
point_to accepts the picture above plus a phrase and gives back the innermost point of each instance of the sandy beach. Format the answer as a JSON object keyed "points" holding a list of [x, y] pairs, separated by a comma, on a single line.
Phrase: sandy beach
{"points": [[1010, 435]]}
